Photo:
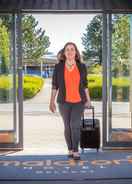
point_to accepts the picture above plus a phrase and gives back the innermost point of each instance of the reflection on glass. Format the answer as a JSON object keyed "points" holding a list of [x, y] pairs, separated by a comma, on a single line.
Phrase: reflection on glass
{"points": [[120, 117], [6, 81]]}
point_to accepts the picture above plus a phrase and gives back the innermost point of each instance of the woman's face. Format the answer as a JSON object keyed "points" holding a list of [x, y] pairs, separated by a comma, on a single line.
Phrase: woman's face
{"points": [[70, 52]]}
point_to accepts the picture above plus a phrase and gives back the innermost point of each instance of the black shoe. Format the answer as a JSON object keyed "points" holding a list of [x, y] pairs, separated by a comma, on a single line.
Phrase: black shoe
{"points": [[70, 155], [76, 157]]}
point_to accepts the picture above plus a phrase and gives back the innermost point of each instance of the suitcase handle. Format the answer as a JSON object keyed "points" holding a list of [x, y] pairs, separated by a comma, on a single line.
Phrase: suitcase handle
{"points": [[91, 107]]}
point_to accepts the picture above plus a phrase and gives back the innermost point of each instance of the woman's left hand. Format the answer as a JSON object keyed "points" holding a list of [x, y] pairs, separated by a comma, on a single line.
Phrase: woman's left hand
{"points": [[88, 104]]}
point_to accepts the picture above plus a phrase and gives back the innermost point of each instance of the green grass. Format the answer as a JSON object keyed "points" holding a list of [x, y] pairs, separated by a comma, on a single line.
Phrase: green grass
{"points": [[95, 86], [120, 83], [31, 86]]}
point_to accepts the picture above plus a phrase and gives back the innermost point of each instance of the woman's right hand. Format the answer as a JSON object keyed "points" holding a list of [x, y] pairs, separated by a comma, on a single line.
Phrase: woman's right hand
{"points": [[52, 106]]}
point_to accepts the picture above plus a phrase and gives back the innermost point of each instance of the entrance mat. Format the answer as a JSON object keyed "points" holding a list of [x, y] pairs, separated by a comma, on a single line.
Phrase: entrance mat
{"points": [[92, 166]]}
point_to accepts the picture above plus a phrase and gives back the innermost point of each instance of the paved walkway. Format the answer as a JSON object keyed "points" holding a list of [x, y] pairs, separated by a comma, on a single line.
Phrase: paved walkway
{"points": [[43, 96], [43, 130]]}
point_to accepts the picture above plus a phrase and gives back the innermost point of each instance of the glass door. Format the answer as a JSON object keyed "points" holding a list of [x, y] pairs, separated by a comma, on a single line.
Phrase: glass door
{"points": [[11, 102], [117, 89]]}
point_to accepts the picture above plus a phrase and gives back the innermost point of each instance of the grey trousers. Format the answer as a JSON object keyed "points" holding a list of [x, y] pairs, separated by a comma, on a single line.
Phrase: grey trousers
{"points": [[71, 114]]}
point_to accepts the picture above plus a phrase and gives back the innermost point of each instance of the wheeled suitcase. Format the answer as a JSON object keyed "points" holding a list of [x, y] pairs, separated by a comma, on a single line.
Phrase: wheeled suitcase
{"points": [[90, 132]]}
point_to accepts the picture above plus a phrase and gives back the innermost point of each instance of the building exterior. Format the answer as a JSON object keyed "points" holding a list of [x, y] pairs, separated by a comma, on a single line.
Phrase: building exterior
{"points": [[44, 67]]}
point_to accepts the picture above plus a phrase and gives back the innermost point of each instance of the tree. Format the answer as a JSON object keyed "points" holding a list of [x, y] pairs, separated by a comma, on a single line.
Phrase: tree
{"points": [[4, 49], [6, 21], [121, 44], [35, 42], [92, 40]]}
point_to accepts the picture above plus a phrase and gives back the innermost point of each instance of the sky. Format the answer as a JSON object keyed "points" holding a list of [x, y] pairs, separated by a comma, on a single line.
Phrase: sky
{"points": [[62, 28]]}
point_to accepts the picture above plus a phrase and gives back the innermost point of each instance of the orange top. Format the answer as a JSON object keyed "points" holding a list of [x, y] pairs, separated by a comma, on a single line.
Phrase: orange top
{"points": [[72, 81]]}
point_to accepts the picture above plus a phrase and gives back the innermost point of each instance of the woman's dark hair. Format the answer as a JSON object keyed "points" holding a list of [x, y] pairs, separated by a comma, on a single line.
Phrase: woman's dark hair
{"points": [[62, 52], [59, 55]]}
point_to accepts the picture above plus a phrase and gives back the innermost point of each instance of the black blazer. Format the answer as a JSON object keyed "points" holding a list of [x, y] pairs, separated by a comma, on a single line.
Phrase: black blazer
{"points": [[58, 82]]}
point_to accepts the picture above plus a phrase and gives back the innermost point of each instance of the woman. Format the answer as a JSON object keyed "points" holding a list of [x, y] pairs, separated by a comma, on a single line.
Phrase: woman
{"points": [[69, 83]]}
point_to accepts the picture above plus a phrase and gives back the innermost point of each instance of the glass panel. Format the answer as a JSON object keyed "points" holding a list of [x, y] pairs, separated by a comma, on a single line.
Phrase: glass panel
{"points": [[120, 127], [7, 81]]}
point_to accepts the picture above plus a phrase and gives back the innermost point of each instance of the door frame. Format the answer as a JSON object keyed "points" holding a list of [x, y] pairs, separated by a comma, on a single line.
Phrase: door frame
{"points": [[17, 68], [106, 59], [107, 93]]}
